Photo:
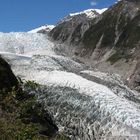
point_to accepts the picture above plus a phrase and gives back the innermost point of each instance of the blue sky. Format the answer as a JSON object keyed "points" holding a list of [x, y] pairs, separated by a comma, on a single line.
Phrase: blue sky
{"points": [[24, 15]]}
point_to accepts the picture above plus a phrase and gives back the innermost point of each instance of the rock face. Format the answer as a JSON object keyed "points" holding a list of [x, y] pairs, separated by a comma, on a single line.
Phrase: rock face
{"points": [[7, 78], [72, 28], [110, 41], [118, 28], [135, 78], [116, 39]]}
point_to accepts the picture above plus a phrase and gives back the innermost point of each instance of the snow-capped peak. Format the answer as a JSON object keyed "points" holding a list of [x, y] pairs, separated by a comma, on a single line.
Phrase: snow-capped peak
{"points": [[100, 11], [90, 12], [45, 28]]}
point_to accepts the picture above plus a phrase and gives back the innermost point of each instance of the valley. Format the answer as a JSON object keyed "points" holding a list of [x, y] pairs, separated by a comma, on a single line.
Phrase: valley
{"points": [[80, 99]]}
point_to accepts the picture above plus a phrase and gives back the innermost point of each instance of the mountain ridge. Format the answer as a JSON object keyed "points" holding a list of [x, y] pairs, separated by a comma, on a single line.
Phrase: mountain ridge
{"points": [[109, 41]]}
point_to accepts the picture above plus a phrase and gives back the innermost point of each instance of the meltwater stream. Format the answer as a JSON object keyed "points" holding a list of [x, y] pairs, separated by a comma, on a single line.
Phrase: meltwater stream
{"points": [[85, 104]]}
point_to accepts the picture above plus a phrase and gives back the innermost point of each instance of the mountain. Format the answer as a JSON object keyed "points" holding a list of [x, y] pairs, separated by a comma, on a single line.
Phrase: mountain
{"points": [[43, 29], [66, 77], [72, 27], [108, 41]]}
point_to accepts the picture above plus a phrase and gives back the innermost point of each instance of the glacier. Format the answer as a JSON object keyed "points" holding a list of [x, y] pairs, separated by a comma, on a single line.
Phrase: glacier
{"points": [[86, 104]]}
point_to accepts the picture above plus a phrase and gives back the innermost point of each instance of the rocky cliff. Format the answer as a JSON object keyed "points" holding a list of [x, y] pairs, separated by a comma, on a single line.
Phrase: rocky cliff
{"points": [[7, 78], [72, 28]]}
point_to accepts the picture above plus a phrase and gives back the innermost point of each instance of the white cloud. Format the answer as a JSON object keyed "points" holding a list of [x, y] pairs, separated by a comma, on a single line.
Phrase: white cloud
{"points": [[93, 3]]}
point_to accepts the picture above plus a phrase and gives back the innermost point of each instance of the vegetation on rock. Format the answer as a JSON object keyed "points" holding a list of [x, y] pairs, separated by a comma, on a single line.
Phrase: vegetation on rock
{"points": [[21, 116]]}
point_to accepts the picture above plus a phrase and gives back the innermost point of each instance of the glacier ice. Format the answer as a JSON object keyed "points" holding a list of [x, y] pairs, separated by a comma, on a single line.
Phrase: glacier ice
{"points": [[79, 103]]}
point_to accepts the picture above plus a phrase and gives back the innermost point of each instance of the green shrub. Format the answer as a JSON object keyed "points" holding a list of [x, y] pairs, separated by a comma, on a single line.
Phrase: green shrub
{"points": [[15, 115], [31, 84]]}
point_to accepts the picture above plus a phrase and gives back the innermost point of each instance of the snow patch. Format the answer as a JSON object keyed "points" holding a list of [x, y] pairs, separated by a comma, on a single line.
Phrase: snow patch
{"points": [[47, 28], [91, 13]]}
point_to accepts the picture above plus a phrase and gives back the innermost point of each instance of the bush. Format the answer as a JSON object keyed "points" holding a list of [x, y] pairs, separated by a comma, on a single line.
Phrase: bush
{"points": [[21, 117]]}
